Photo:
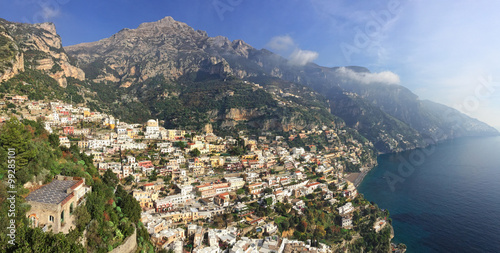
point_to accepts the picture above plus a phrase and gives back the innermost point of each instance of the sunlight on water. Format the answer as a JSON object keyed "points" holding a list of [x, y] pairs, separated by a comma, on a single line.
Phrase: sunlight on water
{"points": [[449, 203]]}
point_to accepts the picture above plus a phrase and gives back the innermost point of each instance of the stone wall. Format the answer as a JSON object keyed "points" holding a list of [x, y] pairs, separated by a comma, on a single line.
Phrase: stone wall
{"points": [[128, 246], [44, 210]]}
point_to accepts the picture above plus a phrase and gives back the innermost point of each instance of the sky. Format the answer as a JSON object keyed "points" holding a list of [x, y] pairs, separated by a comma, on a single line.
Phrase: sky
{"points": [[444, 51]]}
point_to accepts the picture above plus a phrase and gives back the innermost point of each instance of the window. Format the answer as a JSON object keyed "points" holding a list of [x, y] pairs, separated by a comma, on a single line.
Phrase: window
{"points": [[71, 209], [51, 218], [62, 216], [33, 221]]}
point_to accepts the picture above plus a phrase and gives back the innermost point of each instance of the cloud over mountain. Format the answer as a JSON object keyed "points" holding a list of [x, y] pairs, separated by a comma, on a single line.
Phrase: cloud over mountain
{"points": [[285, 45], [386, 77], [302, 57], [281, 43]]}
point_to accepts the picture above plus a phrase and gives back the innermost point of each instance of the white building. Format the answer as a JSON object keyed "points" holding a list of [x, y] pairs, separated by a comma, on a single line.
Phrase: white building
{"points": [[345, 209], [346, 222], [152, 129]]}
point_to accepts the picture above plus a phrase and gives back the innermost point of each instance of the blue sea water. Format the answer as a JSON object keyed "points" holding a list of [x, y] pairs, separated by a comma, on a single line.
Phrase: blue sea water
{"points": [[445, 198]]}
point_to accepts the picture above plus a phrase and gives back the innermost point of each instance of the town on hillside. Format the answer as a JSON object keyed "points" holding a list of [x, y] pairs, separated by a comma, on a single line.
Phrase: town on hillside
{"points": [[200, 192]]}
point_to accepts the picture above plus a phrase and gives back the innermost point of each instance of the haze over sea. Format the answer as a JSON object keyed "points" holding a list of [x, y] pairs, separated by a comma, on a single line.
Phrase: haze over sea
{"points": [[451, 201]]}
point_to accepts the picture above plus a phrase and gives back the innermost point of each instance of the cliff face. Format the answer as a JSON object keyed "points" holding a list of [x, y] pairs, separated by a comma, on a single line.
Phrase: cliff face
{"points": [[39, 47], [232, 117], [11, 58], [166, 47]]}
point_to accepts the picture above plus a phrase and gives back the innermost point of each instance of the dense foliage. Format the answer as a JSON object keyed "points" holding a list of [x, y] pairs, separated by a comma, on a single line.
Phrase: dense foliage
{"points": [[8, 50], [108, 216], [37, 86]]}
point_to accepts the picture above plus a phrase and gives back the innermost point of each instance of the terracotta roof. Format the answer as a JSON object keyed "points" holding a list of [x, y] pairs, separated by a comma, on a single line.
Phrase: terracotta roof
{"points": [[222, 195], [312, 184], [80, 182], [255, 184]]}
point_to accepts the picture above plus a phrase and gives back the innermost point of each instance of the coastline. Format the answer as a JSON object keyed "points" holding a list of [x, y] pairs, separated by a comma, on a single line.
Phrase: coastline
{"points": [[357, 177], [360, 177]]}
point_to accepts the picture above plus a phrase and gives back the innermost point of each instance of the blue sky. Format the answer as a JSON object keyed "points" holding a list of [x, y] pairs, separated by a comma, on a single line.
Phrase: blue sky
{"points": [[445, 51]]}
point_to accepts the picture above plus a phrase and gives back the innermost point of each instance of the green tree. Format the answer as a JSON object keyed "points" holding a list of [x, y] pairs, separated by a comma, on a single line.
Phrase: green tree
{"points": [[110, 178], [129, 205], [320, 232], [302, 226], [237, 151], [180, 144], [267, 191], [269, 201], [284, 225], [129, 180], [82, 217], [35, 240], [14, 137], [195, 152], [153, 176]]}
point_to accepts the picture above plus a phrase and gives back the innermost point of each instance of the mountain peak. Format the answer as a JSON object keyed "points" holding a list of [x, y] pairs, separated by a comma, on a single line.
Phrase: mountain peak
{"points": [[167, 21], [48, 26]]}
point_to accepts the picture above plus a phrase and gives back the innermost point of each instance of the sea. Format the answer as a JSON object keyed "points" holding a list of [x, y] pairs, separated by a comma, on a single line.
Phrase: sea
{"points": [[444, 198]]}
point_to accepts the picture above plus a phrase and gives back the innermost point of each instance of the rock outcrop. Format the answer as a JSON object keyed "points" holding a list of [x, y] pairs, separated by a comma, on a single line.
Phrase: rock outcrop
{"points": [[40, 47], [11, 58]]}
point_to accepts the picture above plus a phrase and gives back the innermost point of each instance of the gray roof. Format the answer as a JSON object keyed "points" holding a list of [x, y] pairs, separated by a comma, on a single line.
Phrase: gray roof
{"points": [[53, 193]]}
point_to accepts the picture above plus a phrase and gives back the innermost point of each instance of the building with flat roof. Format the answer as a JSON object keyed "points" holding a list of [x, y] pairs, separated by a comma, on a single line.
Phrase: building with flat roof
{"points": [[52, 205]]}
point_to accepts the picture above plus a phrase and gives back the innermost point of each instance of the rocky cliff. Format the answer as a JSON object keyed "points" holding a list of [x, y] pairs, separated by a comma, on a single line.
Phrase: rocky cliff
{"points": [[11, 58], [38, 46], [166, 47]]}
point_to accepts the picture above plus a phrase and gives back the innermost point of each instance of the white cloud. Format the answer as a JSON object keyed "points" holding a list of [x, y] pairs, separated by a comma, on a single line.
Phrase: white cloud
{"points": [[285, 45], [49, 12], [302, 57], [281, 43], [386, 77]]}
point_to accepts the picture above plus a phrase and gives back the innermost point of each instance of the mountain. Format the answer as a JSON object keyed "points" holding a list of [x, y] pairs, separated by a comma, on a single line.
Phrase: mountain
{"points": [[167, 64], [166, 47], [389, 115], [167, 69], [160, 75]]}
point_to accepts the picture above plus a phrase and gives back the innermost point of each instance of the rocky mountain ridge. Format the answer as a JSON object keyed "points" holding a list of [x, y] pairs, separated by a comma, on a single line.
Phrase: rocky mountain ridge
{"points": [[166, 47]]}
